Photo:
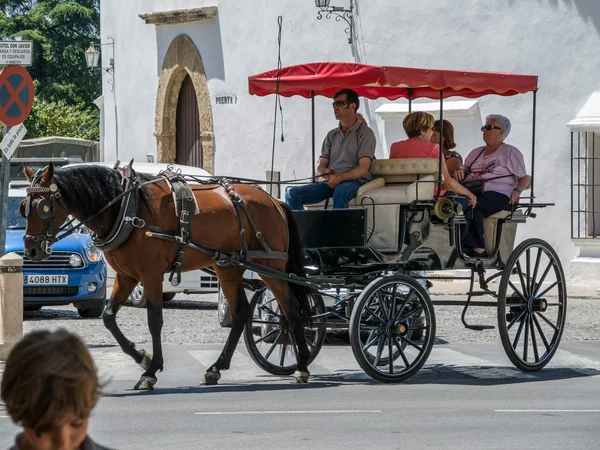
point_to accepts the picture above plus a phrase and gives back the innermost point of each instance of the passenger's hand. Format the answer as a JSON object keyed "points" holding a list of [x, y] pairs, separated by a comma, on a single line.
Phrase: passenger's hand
{"points": [[472, 200], [459, 175], [514, 197], [333, 180]]}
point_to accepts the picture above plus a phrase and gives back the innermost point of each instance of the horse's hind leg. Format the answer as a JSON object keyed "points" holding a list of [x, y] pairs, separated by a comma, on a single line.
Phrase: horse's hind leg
{"points": [[290, 306], [231, 281], [122, 288]]}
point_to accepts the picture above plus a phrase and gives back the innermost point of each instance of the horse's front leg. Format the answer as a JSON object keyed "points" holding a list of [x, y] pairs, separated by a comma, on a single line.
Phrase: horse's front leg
{"points": [[231, 282], [122, 289], [154, 308]]}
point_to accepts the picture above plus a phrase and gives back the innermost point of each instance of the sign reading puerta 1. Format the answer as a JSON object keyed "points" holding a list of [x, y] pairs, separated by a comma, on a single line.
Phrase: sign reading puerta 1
{"points": [[16, 95]]}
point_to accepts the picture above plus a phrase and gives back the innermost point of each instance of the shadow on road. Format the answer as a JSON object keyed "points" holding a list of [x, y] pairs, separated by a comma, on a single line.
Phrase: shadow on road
{"points": [[224, 388], [461, 375]]}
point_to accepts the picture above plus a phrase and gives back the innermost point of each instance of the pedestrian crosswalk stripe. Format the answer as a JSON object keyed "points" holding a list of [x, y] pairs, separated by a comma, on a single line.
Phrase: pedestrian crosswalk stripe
{"points": [[339, 362]]}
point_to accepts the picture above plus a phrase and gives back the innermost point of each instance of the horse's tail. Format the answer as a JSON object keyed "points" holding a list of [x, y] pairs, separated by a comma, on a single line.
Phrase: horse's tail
{"points": [[294, 264]]}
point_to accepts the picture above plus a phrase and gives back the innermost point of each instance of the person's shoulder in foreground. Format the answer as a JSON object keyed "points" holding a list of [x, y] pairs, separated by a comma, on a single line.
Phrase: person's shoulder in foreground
{"points": [[50, 387]]}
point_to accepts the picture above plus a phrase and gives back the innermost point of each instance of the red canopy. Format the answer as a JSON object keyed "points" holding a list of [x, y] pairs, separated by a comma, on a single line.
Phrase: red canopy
{"points": [[390, 82]]}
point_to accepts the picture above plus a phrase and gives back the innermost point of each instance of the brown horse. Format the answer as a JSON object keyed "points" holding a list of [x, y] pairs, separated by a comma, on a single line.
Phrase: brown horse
{"points": [[84, 190]]}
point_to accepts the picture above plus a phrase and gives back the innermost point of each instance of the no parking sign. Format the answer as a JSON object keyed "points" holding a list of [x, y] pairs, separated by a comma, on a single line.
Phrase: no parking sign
{"points": [[16, 95]]}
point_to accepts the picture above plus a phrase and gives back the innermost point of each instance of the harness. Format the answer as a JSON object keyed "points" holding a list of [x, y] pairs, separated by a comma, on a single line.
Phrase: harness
{"points": [[127, 220]]}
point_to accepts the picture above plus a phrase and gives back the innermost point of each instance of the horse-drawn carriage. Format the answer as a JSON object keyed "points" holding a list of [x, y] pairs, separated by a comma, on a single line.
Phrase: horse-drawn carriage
{"points": [[397, 225], [363, 256]]}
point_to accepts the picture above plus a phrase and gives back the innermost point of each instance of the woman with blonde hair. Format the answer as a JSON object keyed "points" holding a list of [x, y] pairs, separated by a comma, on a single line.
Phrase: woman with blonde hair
{"points": [[50, 387], [419, 129]]}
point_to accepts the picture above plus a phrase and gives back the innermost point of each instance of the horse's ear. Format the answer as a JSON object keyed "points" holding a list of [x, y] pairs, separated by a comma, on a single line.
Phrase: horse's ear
{"points": [[47, 176], [28, 172]]}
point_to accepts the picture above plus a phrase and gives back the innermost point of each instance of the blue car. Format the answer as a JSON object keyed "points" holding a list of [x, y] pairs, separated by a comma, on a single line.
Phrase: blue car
{"points": [[74, 274]]}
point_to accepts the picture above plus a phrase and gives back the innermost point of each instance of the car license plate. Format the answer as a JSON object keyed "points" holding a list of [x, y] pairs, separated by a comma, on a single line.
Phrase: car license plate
{"points": [[47, 279]]}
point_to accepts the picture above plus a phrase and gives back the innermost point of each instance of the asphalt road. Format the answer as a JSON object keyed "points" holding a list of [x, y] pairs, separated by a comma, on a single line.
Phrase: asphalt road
{"points": [[468, 395]]}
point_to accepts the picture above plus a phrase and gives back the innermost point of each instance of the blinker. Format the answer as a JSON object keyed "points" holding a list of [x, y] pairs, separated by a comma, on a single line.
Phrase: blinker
{"points": [[44, 210]]}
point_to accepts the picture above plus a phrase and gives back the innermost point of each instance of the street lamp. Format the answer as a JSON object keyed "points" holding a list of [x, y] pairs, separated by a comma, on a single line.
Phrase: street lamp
{"points": [[339, 12], [92, 58]]}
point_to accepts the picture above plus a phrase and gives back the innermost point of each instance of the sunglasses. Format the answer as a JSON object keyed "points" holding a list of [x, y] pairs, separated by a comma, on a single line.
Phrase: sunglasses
{"points": [[341, 103], [490, 127]]}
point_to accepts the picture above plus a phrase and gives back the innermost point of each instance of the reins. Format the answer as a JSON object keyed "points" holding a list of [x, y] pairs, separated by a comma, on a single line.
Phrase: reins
{"points": [[135, 185]]}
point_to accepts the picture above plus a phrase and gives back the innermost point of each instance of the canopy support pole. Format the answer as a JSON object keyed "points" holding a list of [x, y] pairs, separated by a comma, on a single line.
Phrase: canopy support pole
{"points": [[439, 183], [410, 94], [533, 147], [312, 107]]}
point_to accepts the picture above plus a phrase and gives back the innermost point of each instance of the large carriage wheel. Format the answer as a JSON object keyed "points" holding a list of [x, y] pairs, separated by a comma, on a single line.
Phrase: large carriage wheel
{"points": [[269, 339], [386, 316], [532, 305]]}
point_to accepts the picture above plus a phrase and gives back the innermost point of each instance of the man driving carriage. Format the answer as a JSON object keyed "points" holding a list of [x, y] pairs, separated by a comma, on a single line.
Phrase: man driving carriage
{"points": [[345, 160]]}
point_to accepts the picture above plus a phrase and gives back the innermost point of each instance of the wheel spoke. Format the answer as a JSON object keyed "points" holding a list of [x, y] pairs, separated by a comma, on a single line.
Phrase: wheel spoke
{"points": [[523, 285], [265, 322], [273, 346], [412, 313], [547, 321], [540, 332], [526, 339], [538, 285], [399, 347], [535, 269], [516, 340], [381, 298], [516, 319], [393, 307], [282, 354], [517, 292], [371, 340], [541, 294], [381, 321], [268, 310], [533, 342], [403, 305], [269, 334], [408, 341], [528, 261], [380, 346], [391, 355]]}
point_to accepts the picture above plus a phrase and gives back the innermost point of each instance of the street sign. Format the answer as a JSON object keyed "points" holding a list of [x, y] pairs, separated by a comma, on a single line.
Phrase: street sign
{"points": [[12, 139], [16, 95], [15, 52]]}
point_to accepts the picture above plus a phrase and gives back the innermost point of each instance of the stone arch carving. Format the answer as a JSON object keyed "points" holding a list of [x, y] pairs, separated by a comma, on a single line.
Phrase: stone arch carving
{"points": [[182, 58]]}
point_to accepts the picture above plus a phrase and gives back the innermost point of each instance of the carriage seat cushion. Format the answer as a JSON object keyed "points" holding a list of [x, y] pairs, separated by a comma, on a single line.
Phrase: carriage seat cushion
{"points": [[490, 225], [398, 178], [373, 184], [404, 170]]}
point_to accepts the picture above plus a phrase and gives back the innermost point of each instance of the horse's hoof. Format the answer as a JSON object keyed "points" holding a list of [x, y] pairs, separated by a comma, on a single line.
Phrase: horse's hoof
{"points": [[210, 378], [146, 360], [146, 383], [300, 377]]}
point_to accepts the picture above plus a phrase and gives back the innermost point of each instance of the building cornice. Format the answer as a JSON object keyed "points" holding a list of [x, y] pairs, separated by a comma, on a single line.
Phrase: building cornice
{"points": [[176, 16]]}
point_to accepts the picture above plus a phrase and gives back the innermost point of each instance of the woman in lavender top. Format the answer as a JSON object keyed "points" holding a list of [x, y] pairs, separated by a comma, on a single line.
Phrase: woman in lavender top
{"points": [[502, 168]]}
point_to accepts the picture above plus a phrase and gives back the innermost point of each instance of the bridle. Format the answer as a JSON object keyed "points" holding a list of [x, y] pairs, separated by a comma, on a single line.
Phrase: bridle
{"points": [[46, 209]]}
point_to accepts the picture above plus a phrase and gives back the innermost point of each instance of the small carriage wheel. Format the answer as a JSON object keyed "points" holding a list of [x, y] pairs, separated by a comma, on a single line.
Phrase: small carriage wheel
{"points": [[268, 337], [385, 317], [532, 305]]}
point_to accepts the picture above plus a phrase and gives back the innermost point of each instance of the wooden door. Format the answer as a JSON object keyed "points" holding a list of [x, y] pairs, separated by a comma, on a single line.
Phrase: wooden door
{"points": [[189, 144]]}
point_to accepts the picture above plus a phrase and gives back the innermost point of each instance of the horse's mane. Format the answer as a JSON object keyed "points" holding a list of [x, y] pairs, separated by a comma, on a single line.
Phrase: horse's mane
{"points": [[88, 188]]}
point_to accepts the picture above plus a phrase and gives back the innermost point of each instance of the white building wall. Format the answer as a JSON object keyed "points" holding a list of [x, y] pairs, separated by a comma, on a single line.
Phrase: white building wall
{"points": [[557, 40]]}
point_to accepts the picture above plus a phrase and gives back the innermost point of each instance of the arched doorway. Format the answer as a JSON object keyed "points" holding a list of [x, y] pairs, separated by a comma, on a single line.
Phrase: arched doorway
{"points": [[189, 142], [183, 63]]}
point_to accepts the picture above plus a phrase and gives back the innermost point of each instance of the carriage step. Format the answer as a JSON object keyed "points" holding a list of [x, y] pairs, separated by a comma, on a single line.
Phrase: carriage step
{"points": [[479, 327]]}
